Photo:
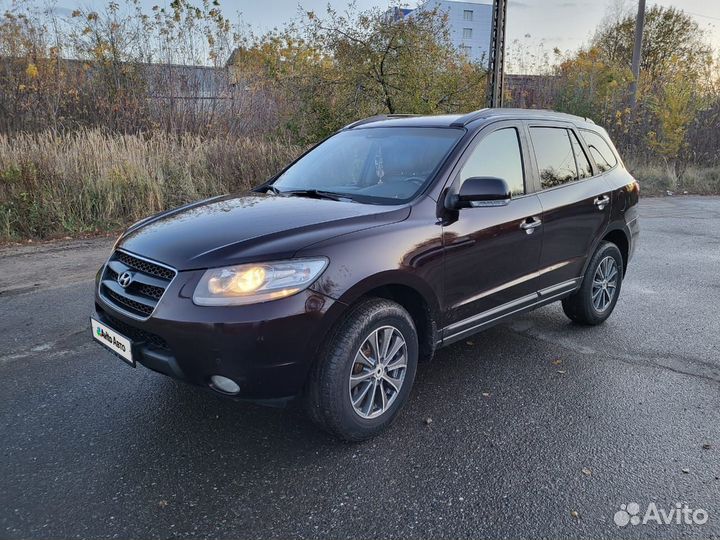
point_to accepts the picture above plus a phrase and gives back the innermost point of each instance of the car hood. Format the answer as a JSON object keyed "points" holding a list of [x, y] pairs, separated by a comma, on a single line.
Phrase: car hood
{"points": [[247, 228]]}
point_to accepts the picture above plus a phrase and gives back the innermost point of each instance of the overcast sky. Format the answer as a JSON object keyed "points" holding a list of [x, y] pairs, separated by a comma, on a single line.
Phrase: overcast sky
{"points": [[561, 23], [565, 24]]}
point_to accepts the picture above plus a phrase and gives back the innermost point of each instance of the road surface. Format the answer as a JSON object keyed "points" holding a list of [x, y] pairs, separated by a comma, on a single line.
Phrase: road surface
{"points": [[538, 427]]}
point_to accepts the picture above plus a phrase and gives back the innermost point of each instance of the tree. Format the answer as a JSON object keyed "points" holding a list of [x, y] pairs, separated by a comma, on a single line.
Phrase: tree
{"points": [[592, 88], [339, 67], [676, 75], [672, 43]]}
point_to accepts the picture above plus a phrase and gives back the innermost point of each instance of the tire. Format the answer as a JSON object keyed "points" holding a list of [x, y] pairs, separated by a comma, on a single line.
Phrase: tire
{"points": [[330, 391], [582, 306]]}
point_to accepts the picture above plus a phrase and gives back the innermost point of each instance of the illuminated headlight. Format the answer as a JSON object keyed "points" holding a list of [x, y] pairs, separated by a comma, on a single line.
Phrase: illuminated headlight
{"points": [[253, 283]]}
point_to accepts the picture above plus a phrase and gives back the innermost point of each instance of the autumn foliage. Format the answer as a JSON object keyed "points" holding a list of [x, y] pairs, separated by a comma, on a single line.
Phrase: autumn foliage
{"points": [[112, 114]]}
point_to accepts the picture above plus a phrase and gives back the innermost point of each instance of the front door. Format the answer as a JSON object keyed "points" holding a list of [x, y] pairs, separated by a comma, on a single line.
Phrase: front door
{"points": [[492, 253], [575, 203]]}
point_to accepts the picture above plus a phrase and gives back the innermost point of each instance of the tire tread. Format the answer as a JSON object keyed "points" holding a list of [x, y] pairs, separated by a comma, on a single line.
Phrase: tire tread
{"points": [[578, 306], [321, 404]]}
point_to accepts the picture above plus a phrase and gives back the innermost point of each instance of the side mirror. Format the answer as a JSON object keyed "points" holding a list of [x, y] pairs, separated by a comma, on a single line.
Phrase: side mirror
{"points": [[481, 191]]}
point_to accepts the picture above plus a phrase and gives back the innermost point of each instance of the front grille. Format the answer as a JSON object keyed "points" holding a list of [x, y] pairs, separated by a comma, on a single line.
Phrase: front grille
{"points": [[131, 304], [152, 292], [145, 266], [148, 283]]}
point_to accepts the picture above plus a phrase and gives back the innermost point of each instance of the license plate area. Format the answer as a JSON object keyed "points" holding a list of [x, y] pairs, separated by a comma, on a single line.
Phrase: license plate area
{"points": [[113, 340]]}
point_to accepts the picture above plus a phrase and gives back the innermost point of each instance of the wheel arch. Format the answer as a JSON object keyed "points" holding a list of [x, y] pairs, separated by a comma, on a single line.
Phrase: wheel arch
{"points": [[620, 238], [413, 294]]}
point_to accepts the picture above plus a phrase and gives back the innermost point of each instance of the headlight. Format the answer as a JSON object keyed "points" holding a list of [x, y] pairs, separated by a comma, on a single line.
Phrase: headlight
{"points": [[253, 283]]}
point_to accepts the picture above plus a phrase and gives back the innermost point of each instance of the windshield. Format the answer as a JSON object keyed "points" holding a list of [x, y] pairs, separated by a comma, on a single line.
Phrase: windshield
{"points": [[377, 165]]}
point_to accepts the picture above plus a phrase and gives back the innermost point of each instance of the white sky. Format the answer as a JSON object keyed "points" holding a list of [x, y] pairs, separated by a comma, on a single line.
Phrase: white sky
{"points": [[565, 24]]}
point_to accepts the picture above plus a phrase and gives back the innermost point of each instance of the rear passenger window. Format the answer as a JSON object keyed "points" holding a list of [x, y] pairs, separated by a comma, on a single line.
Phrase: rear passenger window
{"points": [[497, 155], [555, 156], [583, 163], [601, 152]]}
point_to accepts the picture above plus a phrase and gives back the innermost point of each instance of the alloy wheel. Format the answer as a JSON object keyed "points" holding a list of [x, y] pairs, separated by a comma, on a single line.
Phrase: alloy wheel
{"points": [[605, 283], [378, 372]]}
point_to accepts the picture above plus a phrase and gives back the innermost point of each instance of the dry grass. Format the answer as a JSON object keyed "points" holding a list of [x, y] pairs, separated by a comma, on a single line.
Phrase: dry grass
{"points": [[658, 179], [53, 184]]}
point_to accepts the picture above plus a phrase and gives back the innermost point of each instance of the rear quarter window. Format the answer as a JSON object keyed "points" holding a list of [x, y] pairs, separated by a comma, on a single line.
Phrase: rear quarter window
{"points": [[601, 152]]}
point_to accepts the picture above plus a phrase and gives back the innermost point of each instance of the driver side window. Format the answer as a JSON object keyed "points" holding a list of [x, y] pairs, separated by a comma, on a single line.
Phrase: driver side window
{"points": [[498, 155]]}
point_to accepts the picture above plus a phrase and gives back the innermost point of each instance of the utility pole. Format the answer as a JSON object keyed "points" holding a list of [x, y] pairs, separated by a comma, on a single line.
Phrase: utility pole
{"points": [[496, 62], [637, 51]]}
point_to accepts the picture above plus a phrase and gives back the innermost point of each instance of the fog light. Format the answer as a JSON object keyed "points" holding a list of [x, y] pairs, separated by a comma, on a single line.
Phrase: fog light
{"points": [[223, 384]]}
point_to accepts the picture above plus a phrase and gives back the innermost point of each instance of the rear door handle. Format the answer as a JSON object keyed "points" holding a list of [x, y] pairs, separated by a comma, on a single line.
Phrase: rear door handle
{"points": [[530, 224], [601, 202]]}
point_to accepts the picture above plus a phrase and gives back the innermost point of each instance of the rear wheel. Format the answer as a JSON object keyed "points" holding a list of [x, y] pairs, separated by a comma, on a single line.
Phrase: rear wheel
{"points": [[595, 300], [364, 376]]}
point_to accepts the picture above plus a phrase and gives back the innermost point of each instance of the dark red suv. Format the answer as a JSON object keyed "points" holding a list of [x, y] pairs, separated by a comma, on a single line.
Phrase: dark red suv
{"points": [[393, 237]]}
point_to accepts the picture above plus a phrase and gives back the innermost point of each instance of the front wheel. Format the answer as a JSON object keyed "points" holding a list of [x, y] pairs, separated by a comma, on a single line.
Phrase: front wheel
{"points": [[596, 298], [366, 371]]}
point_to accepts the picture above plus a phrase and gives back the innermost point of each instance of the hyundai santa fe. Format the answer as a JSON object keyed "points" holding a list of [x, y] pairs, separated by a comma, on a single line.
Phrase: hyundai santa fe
{"points": [[393, 237]]}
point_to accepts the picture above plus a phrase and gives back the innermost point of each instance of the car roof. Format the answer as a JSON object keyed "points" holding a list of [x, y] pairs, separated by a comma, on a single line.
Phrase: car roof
{"points": [[479, 118]]}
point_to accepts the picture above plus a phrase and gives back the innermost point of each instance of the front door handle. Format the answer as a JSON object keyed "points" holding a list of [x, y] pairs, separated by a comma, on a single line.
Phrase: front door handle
{"points": [[530, 224], [601, 202]]}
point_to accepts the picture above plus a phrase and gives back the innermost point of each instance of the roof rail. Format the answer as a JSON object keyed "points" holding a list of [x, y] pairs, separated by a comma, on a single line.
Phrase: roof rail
{"points": [[469, 117], [376, 118], [364, 121]]}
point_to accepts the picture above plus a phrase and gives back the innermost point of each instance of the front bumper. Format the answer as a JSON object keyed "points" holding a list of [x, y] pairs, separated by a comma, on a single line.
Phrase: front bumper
{"points": [[267, 348]]}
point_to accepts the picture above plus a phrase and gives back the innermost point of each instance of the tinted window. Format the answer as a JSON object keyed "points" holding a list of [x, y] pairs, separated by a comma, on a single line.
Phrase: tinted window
{"points": [[378, 165], [555, 156], [601, 152], [497, 155], [583, 163]]}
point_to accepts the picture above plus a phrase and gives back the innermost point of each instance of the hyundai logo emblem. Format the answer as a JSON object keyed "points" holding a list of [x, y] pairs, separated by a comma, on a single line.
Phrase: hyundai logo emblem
{"points": [[125, 279]]}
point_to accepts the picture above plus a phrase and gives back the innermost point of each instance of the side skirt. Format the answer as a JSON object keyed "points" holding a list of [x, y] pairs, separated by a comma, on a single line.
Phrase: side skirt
{"points": [[461, 329]]}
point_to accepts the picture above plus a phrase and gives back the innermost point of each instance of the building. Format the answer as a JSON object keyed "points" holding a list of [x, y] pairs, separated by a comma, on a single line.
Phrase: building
{"points": [[531, 91], [470, 24]]}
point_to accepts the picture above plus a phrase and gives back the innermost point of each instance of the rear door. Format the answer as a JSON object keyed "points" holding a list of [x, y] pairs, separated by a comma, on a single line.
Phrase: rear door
{"points": [[492, 253], [575, 203]]}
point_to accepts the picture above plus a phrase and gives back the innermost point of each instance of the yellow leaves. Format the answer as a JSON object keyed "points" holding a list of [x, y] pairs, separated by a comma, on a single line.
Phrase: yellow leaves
{"points": [[100, 49], [31, 71], [674, 108]]}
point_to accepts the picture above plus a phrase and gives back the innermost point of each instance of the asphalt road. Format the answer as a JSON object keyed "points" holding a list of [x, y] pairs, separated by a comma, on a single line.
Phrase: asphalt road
{"points": [[540, 428]]}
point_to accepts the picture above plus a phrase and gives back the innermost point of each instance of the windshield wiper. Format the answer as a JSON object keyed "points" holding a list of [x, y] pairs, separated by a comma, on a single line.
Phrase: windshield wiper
{"points": [[315, 194]]}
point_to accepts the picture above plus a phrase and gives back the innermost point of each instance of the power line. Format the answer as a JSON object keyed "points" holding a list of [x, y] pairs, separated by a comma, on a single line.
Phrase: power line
{"points": [[693, 12], [701, 15]]}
